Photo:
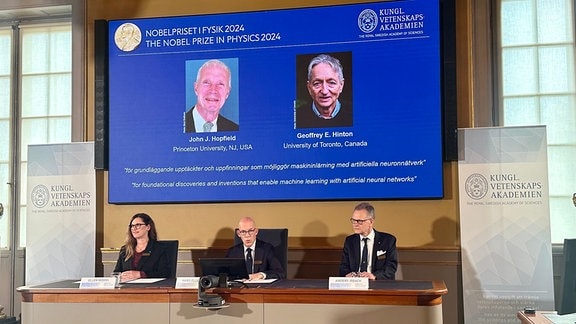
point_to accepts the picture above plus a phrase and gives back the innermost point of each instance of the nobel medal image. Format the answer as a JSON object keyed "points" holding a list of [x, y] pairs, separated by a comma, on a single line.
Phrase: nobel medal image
{"points": [[127, 37]]}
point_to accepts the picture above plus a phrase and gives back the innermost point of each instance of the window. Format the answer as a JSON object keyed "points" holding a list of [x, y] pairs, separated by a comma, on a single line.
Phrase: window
{"points": [[5, 117], [46, 99], [538, 88], [44, 103]]}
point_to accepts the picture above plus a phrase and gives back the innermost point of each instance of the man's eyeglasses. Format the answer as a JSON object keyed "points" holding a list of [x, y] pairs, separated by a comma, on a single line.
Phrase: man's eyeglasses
{"points": [[249, 232], [136, 226], [359, 221]]}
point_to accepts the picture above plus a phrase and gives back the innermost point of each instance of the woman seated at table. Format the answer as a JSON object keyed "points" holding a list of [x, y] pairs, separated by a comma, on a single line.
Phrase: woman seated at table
{"points": [[142, 256]]}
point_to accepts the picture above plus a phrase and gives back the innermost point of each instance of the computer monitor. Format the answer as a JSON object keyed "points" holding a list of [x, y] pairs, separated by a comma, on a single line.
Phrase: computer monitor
{"points": [[234, 268], [568, 301]]}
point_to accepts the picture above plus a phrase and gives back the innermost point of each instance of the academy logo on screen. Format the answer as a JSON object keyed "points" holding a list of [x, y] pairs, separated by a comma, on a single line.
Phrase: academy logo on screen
{"points": [[40, 196], [476, 186], [392, 22], [367, 20], [127, 37]]}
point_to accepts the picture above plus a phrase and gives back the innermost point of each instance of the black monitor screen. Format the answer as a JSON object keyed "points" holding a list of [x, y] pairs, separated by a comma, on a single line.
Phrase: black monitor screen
{"points": [[234, 268], [339, 102]]}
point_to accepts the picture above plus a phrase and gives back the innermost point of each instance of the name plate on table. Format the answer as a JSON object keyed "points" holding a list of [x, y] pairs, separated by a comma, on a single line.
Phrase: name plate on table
{"points": [[347, 283], [98, 283], [187, 282]]}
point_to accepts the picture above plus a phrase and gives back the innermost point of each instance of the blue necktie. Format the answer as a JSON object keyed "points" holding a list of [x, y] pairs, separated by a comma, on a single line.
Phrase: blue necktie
{"points": [[249, 261], [364, 261]]}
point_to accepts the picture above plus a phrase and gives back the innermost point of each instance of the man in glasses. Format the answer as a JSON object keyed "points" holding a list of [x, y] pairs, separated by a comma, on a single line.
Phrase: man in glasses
{"points": [[261, 262], [367, 252]]}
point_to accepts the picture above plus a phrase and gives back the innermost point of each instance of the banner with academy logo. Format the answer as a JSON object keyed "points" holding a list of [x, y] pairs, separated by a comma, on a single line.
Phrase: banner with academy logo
{"points": [[504, 222], [60, 218]]}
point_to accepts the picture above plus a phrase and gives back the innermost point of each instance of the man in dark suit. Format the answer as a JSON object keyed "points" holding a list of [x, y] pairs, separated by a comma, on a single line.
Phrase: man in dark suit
{"points": [[259, 255], [212, 88], [381, 260]]}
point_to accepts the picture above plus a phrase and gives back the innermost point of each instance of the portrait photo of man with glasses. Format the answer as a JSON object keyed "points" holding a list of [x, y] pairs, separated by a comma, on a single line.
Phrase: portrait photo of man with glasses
{"points": [[367, 252], [261, 262]]}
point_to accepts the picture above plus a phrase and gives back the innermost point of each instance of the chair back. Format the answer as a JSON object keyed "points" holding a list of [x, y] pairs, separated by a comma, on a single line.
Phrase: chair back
{"points": [[172, 249], [278, 237]]}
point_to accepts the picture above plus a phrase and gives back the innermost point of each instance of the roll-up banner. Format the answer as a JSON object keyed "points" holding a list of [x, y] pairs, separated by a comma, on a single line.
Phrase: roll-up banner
{"points": [[504, 222], [60, 217]]}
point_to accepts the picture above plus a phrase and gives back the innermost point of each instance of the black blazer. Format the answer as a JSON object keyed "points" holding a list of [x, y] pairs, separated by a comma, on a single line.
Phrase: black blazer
{"points": [[154, 263], [264, 259], [224, 124], [383, 266]]}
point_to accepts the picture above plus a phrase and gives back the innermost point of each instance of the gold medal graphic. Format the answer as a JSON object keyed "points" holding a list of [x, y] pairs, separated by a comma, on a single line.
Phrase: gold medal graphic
{"points": [[127, 37]]}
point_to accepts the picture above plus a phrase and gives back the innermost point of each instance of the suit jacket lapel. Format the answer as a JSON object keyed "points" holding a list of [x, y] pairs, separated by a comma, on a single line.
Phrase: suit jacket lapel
{"points": [[380, 245], [376, 247], [146, 254], [356, 252], [258, 256]]}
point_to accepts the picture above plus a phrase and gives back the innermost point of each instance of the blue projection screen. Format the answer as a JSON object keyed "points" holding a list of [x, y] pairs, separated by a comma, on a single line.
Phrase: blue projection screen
{"points": [[384, 140]]}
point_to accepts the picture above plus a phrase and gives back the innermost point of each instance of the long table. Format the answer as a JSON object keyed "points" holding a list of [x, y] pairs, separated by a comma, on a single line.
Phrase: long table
{"points": [[545, 317], [284, 301]]}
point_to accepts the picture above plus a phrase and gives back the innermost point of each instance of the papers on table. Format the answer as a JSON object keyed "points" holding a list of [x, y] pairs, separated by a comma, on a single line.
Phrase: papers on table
{"points": [[144, 280], [259, 281]]}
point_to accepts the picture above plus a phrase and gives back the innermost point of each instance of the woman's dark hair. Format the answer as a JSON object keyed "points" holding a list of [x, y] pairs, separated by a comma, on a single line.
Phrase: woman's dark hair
{"points": [[130, 243]]}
